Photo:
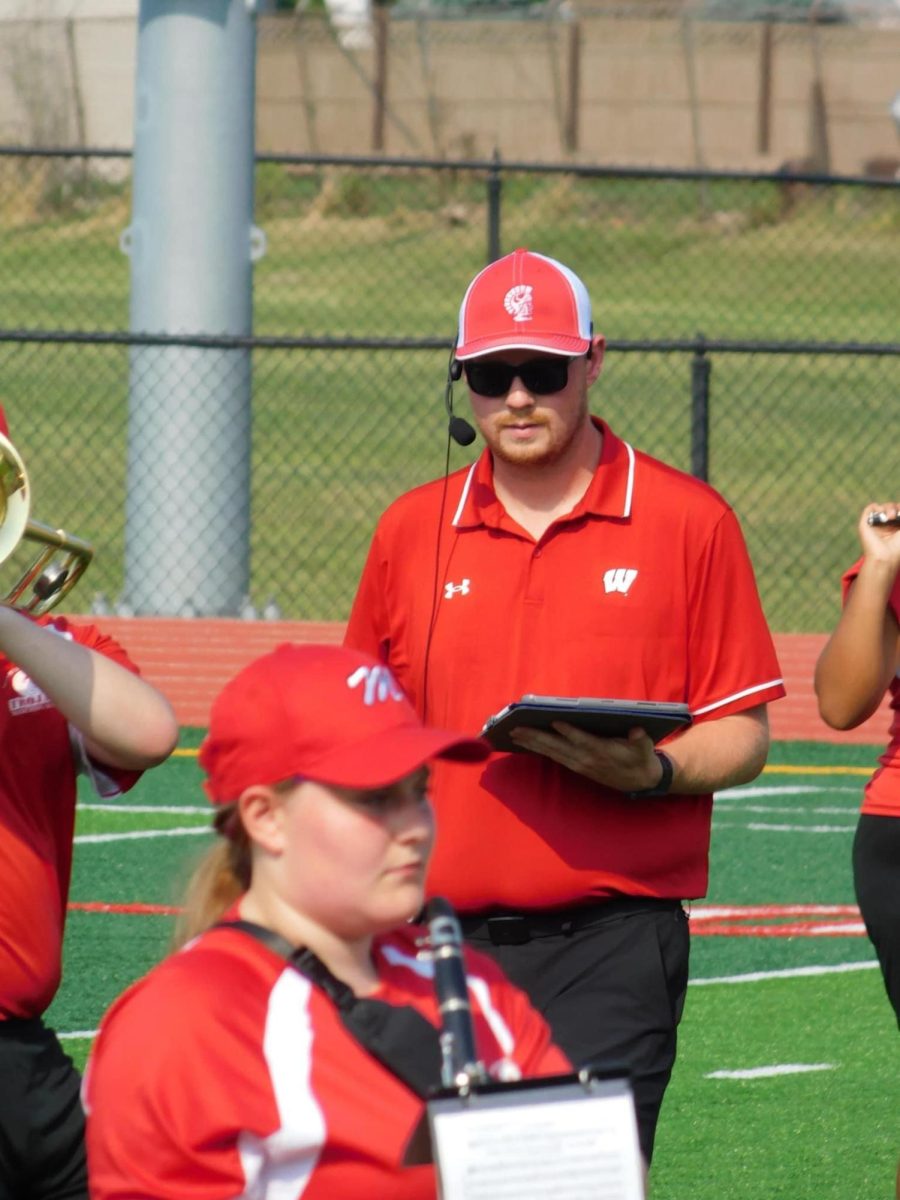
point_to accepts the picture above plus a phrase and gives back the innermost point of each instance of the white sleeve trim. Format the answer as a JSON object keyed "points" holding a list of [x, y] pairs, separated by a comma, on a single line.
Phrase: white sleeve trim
{"points": [[499, 1027], [760, 687], [104, 785], [281, 1164]]}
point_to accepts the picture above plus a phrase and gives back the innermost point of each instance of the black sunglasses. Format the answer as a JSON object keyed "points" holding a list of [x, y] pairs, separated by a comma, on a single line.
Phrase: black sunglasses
{"points": [[541, 376]]}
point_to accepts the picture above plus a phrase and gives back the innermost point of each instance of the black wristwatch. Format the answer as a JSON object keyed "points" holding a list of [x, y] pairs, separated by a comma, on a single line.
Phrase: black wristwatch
{"points": [[665, 783]]}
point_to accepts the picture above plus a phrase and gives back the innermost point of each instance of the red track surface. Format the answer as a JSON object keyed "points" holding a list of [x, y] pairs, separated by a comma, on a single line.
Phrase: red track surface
{"points": [[818, 920], [191, 659]]}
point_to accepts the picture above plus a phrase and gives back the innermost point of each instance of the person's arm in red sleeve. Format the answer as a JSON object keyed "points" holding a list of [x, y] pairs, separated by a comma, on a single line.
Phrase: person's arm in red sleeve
{"points": [[862, 654], [367, 629], [124, 721], [521, 1034]]}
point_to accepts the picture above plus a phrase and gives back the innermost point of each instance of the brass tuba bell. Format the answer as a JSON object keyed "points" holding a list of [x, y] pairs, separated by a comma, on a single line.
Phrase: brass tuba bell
{"points": [[52, 575]]}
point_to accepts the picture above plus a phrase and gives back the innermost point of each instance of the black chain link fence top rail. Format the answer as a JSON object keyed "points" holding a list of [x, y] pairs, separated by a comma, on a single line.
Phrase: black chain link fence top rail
{"points": [[752, 322]]}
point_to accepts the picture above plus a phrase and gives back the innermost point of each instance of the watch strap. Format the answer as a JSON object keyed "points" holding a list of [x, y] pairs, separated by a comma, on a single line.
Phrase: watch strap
{"points": [[665, 784]]}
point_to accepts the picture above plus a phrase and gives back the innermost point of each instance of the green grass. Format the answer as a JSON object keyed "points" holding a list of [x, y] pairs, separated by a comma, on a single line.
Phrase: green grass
{"points": [[818, 1135], [823, 1135], [798, 443]]}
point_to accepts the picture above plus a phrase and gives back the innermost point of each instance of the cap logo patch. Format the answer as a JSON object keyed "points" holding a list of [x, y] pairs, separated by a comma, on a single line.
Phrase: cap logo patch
{"points": [[519, 302], [378, 684]]}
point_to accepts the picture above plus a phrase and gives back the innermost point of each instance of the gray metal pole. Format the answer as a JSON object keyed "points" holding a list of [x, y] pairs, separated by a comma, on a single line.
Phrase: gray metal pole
{"points": [[191, 243]]}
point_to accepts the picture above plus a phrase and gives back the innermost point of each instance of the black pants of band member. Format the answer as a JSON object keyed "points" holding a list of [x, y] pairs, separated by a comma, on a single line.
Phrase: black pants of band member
{"points": [[612, 992], [876, 877], [41, 1120]]}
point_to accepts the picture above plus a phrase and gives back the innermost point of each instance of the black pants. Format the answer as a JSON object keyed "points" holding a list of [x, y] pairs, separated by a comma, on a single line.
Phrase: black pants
{"points": [[609, 978], [876, 877], [41, 1120]]}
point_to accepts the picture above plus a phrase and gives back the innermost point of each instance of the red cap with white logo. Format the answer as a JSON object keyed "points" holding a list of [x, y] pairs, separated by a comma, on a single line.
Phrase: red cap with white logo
{"points": [[325, 713], [524, 301]]}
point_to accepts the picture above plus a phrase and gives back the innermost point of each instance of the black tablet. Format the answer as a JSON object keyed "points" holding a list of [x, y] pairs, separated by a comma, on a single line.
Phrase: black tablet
{"points": [[607, 718]]}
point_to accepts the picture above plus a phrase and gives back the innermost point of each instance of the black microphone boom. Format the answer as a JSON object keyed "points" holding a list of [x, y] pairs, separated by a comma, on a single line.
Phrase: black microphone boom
{"points": [[460, 1065], [458, 427], [461, 431]]}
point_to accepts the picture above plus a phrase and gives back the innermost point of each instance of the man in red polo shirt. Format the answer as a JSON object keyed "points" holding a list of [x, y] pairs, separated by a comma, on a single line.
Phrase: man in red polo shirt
{"points": [[565, 562]]}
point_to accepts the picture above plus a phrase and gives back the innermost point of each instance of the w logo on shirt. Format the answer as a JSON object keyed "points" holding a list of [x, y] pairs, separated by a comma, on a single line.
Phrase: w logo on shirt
{"points": [[377, 683], [619, 579]]}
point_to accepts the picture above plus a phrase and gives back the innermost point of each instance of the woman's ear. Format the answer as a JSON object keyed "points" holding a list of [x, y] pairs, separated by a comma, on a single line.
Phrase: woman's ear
{"points": [[261, 812]]}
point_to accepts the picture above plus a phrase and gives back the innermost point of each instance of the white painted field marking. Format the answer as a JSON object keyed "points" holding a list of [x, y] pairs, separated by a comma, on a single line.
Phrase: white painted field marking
{"points": [[146, 808], [763, 827], [77, 1033], [799, 789], [824, 810], [188, 831], [788, 973], [770, 1072], [730, 804]]}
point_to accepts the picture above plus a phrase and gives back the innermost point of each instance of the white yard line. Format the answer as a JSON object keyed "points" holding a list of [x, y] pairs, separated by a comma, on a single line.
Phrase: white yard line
{"points": [[770, 1072], [799, 789], [146, 808], [762, 827], [787, 973], [831, 810], [186, 831]]}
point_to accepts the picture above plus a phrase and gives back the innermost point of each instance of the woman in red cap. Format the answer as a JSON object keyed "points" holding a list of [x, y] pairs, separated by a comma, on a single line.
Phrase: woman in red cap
{"points": [[284, 1051]]}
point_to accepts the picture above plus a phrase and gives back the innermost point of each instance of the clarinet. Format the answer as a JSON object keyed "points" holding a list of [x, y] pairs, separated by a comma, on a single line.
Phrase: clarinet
{"points": [[460, 1065]]}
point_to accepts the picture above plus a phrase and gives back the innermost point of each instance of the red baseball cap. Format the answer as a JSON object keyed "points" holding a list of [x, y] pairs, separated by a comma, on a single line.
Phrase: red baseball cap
{"points": [[524, 301], [326, 713]]}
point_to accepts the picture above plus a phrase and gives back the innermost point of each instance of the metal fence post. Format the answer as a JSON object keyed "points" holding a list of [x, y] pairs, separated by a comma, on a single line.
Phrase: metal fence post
{"points": [[379, 85], [701, 367], [191, 245], [494, 197]]}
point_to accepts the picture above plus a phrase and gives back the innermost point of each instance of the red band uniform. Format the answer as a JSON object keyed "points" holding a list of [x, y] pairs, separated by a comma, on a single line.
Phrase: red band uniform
{"points": [[249, 1083], [250, 1086]]}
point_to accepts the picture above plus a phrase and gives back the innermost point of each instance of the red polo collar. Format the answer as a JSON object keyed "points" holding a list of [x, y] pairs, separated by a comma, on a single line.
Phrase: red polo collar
{"points": [[610, 493]]}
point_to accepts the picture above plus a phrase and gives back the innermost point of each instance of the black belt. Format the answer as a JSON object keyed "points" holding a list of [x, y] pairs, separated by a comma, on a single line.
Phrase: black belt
{"points": [[505, 927]]}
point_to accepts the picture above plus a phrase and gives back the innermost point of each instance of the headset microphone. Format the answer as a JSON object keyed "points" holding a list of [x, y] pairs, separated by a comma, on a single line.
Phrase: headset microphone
{"points": [[461, 431], [459, 428]]}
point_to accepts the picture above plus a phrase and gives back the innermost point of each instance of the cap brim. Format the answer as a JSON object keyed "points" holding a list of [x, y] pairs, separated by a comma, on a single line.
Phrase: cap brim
{"points": [[554, 343], [391, 754]]}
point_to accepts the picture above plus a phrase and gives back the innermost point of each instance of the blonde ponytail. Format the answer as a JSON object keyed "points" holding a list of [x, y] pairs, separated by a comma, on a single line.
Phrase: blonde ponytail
{"points": [[221, 876]]}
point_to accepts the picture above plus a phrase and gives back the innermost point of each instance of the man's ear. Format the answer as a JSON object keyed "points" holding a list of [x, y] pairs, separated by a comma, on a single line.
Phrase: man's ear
{"points": [[261, 812], [595, 362]]}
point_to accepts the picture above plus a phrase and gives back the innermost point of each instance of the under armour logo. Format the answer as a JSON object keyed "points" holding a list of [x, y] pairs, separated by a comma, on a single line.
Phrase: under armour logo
{"points": [[378, 684], [519, 302], [457, 589], [619, 579]]}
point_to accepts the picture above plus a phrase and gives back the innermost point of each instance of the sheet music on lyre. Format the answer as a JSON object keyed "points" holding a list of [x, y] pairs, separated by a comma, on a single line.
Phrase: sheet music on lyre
{"points": [[570, 1140]]}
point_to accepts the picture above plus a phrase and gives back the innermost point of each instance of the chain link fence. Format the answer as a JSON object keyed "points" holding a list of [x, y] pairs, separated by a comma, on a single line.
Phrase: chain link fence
{"points": [[752, 323]]}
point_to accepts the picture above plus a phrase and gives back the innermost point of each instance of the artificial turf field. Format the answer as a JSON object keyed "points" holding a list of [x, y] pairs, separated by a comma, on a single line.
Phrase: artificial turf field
{"points": [[787, 1077]]}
